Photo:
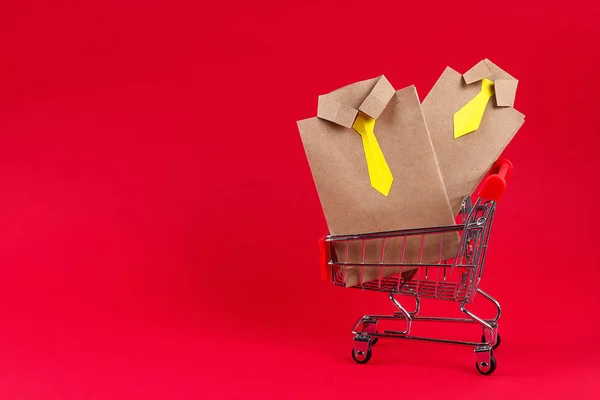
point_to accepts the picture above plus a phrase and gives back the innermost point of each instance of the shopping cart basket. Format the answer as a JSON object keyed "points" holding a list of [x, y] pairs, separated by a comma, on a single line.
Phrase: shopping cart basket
{"points": [[455, 279]]}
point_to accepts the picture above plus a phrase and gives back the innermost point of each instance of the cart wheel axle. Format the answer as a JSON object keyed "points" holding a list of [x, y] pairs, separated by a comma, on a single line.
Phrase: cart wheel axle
{"points": [[486, 369], [361, 352], [362, 357]]}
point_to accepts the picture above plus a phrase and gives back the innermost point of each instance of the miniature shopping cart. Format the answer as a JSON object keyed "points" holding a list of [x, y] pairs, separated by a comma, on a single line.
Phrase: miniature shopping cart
{"points": [[456, 279]]}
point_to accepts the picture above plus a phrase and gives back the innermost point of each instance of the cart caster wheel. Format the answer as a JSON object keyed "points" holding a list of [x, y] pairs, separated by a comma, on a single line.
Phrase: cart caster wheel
{"points": [[497, 341], [485, 369], [374, 340], [362, 358]]}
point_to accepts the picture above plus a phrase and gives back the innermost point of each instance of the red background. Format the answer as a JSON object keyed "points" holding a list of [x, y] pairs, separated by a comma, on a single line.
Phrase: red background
{"points": [[159, 221]]}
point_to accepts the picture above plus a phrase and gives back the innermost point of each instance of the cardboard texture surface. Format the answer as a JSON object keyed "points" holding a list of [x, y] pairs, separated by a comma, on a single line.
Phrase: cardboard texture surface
{"points": [[336, 112], [417, 197], [464, 162], [506, 91], [477, 72], [378, 98]]}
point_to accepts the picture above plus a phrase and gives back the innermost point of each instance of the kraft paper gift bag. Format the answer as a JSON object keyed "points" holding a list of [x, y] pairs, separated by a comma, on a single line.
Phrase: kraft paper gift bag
{"points": [[356, 196], [471, 120]]}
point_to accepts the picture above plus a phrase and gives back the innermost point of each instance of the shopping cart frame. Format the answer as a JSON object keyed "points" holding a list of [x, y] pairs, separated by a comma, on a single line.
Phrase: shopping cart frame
{"points": [[454, 279]]}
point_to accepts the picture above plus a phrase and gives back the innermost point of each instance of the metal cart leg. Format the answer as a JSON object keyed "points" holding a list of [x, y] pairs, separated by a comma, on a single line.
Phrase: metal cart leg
{"points": [[417, 304], [494, 301], [402, 314], [491, 338], [484, 357]]}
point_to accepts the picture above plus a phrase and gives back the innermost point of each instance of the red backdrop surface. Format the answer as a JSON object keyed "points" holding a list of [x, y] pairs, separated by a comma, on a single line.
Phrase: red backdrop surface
{"points": [[159, 220]]}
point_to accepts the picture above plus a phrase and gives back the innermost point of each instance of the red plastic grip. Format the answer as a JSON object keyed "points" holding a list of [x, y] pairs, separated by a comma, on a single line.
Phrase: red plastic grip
{"points": [[324, 257], [495, 184]]}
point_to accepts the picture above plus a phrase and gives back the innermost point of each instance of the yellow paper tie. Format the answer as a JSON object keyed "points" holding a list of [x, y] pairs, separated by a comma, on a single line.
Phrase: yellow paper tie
{"points": [[468, 118], [379, 172]]}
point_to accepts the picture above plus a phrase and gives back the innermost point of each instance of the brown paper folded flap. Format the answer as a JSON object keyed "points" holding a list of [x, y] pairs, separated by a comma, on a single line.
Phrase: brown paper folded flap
{"points": [[342, 106], [506, 91], [336, 112], [417, 197], [464, 161], [478, 72], [378, 99]]}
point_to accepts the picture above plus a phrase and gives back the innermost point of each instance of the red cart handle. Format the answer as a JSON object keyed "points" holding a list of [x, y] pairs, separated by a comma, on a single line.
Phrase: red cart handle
{"points": [[324, 258], [495, 184]]}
